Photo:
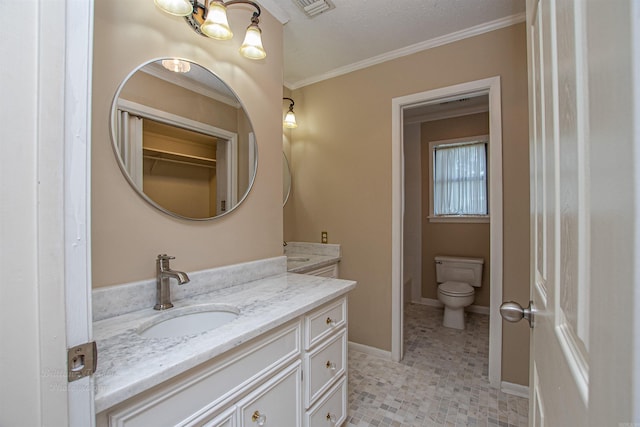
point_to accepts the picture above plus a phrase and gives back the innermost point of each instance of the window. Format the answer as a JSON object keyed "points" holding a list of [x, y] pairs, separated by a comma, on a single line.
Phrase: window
{"points": [[459, 179]]}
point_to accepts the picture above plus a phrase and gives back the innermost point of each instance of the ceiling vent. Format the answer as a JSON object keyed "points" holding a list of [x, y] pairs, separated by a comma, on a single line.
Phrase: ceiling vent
{"points": [[313, 8]]}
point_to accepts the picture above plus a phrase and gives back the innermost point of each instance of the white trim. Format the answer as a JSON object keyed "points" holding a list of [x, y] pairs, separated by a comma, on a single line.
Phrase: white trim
{"points": [[514, 389], [461, 112], [172, 119], [372, 351], [460, 219], [414, 48], [77, 197], [635, 327], [492, 87], [479, 309]]}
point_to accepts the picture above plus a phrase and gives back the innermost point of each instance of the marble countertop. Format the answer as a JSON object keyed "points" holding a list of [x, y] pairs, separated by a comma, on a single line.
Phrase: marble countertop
{"points": [[302, 263], [306, 256], [129, 364]]}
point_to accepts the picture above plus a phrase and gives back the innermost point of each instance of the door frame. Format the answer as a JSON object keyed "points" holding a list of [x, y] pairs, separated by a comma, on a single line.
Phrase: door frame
{"points": [[489, 86], [78, 28]]}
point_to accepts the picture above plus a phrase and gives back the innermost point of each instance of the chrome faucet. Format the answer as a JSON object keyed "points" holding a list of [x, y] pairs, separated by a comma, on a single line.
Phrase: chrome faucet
{"points": [[163, 274]]}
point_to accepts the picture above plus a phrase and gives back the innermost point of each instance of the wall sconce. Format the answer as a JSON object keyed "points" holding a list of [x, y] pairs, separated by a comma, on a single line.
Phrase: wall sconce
{"points": [[290, 117], [211, 21]]}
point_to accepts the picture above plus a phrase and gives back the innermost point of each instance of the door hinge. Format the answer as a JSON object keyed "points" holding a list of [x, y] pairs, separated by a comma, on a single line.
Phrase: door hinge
{"points": [[82, 361]]}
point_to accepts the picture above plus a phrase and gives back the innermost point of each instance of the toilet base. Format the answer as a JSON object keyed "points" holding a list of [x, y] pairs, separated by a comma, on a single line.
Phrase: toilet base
{"points": [[453, 318]]}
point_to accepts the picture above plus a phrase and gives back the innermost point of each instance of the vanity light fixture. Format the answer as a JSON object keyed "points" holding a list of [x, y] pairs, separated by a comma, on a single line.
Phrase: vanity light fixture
{"points": [[211, 21], [290, 117]]}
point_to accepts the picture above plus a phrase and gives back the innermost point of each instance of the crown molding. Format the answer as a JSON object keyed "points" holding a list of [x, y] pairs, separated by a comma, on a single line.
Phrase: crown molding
{"points": [[411, 49]]}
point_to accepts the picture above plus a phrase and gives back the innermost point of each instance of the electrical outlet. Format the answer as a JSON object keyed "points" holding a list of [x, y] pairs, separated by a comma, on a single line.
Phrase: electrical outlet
{"points": [[324, 239]]}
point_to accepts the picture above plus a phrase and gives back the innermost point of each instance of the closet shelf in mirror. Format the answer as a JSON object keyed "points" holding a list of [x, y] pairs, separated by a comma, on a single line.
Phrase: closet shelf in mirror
{"points": [[180, 158]]}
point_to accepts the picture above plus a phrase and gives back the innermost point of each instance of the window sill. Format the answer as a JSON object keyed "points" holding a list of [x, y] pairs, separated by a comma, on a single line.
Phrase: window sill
{"points": [[461, 219]]}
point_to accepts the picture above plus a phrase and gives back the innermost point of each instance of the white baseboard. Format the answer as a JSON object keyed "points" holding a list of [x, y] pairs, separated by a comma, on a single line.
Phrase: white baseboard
{"points": [[514, 389], [373, 351], [435, 303]]}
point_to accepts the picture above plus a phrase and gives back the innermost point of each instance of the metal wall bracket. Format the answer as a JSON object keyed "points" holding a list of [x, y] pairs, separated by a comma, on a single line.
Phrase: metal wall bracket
{"points": [[82, 361]]}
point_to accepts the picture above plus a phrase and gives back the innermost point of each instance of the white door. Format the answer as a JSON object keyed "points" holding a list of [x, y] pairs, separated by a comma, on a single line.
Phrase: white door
{"points": [[583, 367]]}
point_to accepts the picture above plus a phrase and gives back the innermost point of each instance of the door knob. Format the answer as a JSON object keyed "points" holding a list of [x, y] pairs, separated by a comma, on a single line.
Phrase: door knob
{"points": [[513, 312]]}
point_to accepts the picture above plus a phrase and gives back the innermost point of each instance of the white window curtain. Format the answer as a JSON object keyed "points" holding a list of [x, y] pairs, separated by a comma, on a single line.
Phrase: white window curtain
{"points": [[460, 180]]}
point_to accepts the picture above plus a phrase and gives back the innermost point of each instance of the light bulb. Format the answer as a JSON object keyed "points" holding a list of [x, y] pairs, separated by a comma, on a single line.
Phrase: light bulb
{"points": [[216, 25], [175, 7], [252, 45], [176, 65], [290, 120]]}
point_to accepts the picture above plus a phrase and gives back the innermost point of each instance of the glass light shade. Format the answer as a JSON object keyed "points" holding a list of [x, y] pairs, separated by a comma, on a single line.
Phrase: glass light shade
{"points": [[216, 25], [176, 65], [175, 7], [252, 45], [290, 120]]}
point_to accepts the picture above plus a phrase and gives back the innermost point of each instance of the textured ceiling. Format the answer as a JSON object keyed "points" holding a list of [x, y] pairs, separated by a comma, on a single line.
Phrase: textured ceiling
{"points": [[357, 33]]}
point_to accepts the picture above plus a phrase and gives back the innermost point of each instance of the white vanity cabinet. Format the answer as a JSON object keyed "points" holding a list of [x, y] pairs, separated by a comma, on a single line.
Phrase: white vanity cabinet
{"points": [[291, 376], [206, 394]]}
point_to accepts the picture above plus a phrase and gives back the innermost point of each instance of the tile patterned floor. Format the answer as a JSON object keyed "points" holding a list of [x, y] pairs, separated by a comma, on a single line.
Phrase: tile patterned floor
{"points": [[442, 380]]}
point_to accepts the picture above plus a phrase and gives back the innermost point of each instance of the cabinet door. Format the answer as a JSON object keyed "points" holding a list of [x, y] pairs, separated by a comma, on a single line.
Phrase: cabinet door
{"points": [[277, 403]]}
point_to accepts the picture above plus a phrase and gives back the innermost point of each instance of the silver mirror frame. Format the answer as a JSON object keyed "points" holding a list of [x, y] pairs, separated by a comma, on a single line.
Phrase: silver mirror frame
{"points": [[286, 168], [114, 145]]}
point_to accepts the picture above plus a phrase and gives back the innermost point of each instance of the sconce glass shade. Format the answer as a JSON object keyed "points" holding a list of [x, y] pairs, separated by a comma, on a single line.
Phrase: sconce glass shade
{"points": [[175, 7], [176, 65], [290, 120], [252, 45], [216, 25]]}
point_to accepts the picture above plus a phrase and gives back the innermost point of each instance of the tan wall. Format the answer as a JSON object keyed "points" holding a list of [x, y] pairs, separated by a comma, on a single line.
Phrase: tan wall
{"points": [[341, 156], [127, 233], [454, 239]]}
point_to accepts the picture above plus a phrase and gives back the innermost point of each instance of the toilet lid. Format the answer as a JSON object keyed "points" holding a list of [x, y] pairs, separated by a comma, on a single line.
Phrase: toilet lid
{"points": [[456, 288]]}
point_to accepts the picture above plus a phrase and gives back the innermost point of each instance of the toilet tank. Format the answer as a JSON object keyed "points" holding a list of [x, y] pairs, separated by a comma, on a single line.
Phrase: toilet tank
{"points": [[459, 269]]}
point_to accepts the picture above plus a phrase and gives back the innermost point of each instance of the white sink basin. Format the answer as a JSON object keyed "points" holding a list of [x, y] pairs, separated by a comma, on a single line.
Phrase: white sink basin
{"points": [[188, 321]]}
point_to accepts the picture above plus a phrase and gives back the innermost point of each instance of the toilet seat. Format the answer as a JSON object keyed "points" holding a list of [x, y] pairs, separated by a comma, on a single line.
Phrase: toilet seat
{"points": [[456, 289]]}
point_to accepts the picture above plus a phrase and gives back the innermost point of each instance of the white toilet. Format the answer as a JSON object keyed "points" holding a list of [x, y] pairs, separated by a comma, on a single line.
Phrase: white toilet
{"points": [[457, 277]]}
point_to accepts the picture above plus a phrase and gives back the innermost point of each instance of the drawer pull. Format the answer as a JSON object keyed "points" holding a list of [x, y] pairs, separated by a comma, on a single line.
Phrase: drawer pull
{"points": [[331, 322], [259, 418], [331, 365], [331, 418]]}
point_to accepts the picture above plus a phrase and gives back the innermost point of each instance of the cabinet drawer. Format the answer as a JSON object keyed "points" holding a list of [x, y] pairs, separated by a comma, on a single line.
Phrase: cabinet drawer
{"points": [[276, 403], [324, 321], [324, 365], [331, 410], [193, 395]]}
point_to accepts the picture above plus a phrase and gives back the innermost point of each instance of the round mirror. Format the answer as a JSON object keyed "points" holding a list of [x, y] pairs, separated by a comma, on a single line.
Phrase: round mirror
{"points": [[183, 140], [286, 179]]}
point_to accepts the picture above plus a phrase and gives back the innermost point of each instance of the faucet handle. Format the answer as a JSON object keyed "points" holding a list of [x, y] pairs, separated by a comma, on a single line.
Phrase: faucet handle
{"points": [[165, 256]]}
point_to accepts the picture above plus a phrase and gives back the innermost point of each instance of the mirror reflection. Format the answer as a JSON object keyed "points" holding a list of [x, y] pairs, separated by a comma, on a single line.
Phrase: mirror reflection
{"points": [[183, 140]]}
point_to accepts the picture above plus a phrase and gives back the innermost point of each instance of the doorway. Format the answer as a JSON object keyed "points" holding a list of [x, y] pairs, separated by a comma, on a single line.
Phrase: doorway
{"points": [[491, 88]]}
